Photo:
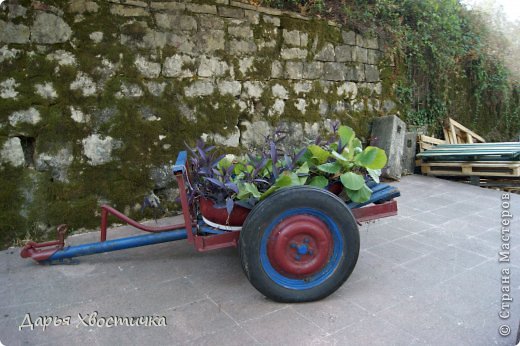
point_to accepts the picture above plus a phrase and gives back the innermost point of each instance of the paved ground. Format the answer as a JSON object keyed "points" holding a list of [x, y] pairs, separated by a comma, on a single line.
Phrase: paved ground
{"points": [[428, 276]]}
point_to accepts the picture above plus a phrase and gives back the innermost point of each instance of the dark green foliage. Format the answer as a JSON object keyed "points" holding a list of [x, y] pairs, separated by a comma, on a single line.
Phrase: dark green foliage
{"points": [[444, 67]]}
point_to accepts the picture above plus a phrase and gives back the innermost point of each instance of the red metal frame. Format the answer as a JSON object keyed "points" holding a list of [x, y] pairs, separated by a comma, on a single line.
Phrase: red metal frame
{"points": [[42, 251], [201, 243], [107, 210], [376, 211]]}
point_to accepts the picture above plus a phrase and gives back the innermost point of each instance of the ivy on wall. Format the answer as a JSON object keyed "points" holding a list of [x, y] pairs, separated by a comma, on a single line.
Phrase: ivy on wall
{"points": [[445, 65]]}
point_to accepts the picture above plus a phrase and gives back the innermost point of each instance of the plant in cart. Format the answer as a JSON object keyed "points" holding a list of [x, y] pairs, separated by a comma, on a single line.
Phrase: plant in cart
{"points": [[342, 161], [227, 187]]}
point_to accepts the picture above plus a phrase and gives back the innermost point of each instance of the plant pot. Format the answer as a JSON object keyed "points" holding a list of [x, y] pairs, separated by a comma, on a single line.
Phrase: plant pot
{"points": [[220, 217], [335, 187]]}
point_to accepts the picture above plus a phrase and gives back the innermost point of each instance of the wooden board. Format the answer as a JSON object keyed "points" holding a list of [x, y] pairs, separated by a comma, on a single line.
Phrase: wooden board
{"points": [[427, 142], [464, 168], [456, 133]]}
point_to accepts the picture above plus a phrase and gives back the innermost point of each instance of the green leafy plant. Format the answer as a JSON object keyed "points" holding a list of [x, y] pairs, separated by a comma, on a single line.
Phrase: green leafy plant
{"points": [[346, 161], [249, 179]]}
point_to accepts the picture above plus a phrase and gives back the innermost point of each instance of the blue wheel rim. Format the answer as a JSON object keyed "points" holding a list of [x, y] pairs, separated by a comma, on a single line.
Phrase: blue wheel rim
{"points": [[317, 278]]}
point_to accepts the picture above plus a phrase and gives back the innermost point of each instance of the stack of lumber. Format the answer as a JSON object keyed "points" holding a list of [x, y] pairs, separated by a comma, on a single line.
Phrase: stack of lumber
{"points": [[456, 133], [478, 159], [426, 142], [465, 155]]}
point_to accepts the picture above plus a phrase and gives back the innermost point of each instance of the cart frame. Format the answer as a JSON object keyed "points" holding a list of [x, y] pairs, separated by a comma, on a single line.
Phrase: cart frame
{"points": [[202, 237]]}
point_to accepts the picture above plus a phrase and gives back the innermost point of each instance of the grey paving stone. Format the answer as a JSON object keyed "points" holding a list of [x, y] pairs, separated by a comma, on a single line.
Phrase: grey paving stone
{"points": [[222, 284], [394, 252], [416, 318], [413, 224], [483, 221], [370, 239], [449, 213], [429, 218], [229, 337], [491, 236], [11, 335], [463, 258], [369, 265], [246, 307], [130, 336], [429, 276], [441, 237], [386, 290], [151, 299], [195, 320], [481, 328], [413, 242], [284, 327], [436, 202], [463, 295], [463, 228], [409, 210], [333, 313], [433, 269], [373, 331], [478, 246], [492, 270], [387, 231]]}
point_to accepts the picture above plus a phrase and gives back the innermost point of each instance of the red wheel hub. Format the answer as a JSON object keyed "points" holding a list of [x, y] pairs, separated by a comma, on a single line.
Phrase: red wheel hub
{"points": [[300, 246]]}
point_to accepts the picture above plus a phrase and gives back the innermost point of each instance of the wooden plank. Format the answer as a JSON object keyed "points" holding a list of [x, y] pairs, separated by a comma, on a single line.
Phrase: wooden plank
{"points": [[446, 135], [432, 140], [449, 173], [453, 134], [425, 170], [471, 169], [427, 142], [461, 127]]}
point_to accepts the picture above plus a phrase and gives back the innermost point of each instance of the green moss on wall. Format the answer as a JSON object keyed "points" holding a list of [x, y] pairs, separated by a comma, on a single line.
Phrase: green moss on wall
{"points": [[12, 223], [134, 122]]}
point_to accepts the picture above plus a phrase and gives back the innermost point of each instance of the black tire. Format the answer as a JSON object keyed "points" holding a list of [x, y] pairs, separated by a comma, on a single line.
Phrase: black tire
{"points": [[296, 204]]}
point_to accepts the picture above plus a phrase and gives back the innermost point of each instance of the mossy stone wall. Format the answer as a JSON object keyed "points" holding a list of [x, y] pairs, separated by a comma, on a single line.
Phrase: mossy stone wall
{"points": [[97, 97]]}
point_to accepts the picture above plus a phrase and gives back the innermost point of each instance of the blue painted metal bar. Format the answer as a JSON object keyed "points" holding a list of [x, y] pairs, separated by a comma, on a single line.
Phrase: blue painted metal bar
{"points": [[118, 244], [380, 193], [377, 187], [180, 164]]}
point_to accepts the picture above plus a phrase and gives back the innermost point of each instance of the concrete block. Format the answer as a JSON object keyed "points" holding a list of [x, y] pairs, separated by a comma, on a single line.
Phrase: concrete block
{"points": [[388, 133], [409, 150]]}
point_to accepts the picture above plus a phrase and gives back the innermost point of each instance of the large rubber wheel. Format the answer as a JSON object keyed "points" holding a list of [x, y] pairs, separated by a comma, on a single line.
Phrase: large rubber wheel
{"points": [[299, 245]]}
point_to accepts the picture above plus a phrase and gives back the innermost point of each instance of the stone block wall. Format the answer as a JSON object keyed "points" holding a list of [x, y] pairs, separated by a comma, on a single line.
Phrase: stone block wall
{"points": [[97, 97]]}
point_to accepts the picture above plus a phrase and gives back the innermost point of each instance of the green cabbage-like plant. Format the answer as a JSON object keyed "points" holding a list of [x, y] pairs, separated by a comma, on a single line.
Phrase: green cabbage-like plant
{"points": [[346, 161]]}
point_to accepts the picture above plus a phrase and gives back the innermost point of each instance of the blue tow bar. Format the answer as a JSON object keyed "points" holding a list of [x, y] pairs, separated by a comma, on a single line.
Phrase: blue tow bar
{"points": [[117, 244]]}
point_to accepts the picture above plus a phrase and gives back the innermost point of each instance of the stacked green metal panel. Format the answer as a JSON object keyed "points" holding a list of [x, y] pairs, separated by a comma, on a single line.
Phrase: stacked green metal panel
{"points": [[507, 151]]}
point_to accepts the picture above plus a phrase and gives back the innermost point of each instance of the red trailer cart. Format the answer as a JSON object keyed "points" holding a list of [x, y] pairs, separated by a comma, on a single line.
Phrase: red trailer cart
{"points": [[299, 244]]}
